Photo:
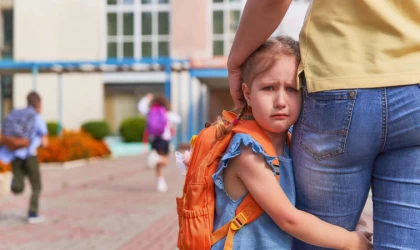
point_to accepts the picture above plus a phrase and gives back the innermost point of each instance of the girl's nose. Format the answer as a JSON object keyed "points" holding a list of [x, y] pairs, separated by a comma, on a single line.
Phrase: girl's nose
{"points": [[280, 100]]}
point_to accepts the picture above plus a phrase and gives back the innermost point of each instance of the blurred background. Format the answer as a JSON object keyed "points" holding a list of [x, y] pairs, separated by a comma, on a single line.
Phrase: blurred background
{"points": [[92, 61], [142, 39]]}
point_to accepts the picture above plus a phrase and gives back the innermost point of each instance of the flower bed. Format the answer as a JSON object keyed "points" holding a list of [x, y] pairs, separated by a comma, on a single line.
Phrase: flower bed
{"points": [[71, 146], [5, 167]]}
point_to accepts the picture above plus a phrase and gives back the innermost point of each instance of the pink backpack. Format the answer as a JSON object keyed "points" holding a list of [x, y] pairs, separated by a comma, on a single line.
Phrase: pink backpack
{"points": [[156, 120]]}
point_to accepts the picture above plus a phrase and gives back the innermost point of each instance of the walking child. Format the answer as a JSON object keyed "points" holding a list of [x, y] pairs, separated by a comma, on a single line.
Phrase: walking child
{"points": [[161, 123], [24, 131]]}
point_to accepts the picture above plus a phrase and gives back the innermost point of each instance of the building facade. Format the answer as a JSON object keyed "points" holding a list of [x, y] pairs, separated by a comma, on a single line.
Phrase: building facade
{"points": [[6, 52], [202, 31]]}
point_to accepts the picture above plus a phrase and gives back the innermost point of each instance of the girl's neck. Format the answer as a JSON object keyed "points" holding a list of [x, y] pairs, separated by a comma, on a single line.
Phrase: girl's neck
{"points": [[278, 140]]}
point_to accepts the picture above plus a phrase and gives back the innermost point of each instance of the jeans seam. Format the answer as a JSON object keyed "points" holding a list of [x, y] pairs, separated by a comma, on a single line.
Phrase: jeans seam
{"points": [[384, 119], [327, 98], [348, 121]]}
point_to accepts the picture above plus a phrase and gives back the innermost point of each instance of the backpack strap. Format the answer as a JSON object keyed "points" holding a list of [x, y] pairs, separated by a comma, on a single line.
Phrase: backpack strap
{"points": [[248, 211], [252, 128]]}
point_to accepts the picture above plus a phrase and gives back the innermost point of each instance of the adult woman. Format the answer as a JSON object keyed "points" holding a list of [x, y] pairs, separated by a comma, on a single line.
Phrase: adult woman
{"points": [[360, 122]]}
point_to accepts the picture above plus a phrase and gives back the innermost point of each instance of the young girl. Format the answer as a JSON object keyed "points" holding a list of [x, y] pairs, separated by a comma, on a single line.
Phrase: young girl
{"points": [[272, 99], [158, 157]]}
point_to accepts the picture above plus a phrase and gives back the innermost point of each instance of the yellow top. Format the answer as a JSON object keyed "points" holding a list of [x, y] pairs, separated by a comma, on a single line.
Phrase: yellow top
{"points": [[361, 44]]}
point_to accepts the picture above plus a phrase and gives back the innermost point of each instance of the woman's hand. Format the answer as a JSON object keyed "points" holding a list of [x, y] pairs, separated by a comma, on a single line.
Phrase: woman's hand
{"points": [[359, 241], [258, 22], [235, 81]]}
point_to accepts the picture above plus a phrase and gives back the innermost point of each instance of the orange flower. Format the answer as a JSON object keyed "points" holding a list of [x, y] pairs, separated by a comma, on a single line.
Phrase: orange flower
{"points": [[72, 145], [5, 167]]}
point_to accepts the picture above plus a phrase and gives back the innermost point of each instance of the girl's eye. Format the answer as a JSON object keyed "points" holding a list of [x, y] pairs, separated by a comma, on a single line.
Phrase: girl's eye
{"points": [[268, 88], [291, 89]]}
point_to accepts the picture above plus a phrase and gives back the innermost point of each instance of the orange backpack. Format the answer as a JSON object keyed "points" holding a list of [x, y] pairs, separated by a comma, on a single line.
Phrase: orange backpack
{"points": [[196, 207]]}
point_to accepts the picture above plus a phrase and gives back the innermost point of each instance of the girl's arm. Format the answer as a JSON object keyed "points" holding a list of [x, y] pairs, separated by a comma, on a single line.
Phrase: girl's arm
{"points": [[264, 188], [143, 105], [259, 20], [41, 130], [13, 143], [362, 226]]}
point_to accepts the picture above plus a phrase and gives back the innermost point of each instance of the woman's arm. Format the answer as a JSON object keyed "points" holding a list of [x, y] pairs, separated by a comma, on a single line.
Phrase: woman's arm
{"points": [[264, 188], [259, 20]]}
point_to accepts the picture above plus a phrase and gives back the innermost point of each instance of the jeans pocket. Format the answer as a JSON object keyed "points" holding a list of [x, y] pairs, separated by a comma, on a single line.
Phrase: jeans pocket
{"points": [[325, 123]]}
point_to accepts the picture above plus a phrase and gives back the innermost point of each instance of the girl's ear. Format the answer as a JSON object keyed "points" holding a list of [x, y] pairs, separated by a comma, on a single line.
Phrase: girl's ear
{"points": [[247, 93]]}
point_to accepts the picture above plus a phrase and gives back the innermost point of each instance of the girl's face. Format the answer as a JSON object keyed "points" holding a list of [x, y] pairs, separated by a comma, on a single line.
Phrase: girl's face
{"points": [[273, 96]]}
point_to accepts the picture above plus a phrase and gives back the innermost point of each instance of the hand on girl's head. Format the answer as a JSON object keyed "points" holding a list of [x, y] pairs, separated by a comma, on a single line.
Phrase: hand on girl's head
{"points": [[235, 80]]}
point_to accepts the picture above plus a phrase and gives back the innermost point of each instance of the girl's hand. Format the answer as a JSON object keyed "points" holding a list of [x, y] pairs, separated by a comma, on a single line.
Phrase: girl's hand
{"points": [[362, 226], [359, 241], [149, 96], [186, 158]]}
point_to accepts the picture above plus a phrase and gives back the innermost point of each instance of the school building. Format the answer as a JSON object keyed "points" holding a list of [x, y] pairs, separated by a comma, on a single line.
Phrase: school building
{"points": [[198, 31]]}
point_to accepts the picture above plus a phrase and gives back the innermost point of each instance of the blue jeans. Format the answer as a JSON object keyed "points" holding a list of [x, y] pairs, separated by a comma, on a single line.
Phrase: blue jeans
{"points": [[347, 140]]}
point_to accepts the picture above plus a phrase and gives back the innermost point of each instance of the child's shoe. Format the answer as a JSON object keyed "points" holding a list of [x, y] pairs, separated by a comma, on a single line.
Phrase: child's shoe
{"points": [[34, 218]]}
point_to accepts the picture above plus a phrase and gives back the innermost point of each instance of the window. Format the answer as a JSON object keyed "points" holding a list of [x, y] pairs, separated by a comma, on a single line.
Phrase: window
{"points": [[226, 15], [6, 81], [138, 28], [7, 50]]}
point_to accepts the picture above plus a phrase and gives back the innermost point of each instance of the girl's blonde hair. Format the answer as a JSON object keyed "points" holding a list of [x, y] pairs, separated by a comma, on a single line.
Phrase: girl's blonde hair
{"points": [[259, 62]]}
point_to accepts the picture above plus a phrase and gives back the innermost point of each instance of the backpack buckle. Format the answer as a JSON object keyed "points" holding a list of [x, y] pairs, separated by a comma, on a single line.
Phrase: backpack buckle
{"points": [[238, 222]]}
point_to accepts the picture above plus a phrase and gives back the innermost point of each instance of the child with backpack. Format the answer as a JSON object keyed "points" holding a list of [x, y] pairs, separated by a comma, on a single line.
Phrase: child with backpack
{"points": [[239, 191], [160, 129], [24, 130]]}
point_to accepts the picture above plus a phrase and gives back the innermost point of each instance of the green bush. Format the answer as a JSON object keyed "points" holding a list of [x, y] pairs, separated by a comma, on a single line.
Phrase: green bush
{"points": [[52, 128], [132, 129], [97, 129]]}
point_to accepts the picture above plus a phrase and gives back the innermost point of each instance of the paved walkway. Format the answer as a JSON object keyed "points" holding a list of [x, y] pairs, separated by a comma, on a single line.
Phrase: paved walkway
{"points": [[106, 205]]}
